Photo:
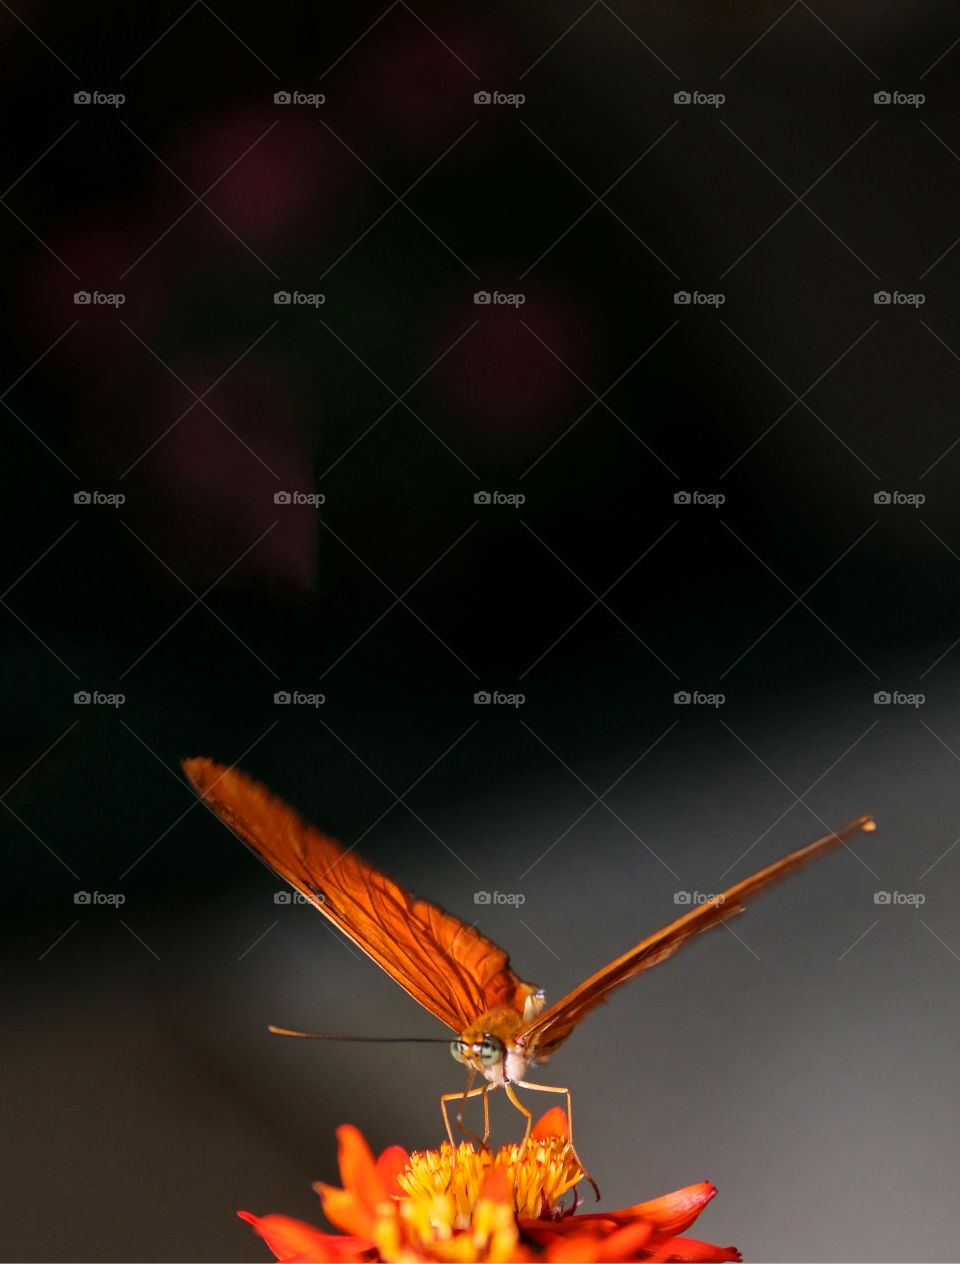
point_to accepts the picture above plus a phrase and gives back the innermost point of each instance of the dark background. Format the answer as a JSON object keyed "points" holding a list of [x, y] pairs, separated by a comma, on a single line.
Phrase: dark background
{"points": [[804, 1061]]}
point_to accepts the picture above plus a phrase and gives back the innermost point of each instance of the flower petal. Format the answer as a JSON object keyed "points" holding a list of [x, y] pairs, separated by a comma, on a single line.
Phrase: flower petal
{"points": [[672, 1213], [293, 1240], [357, 1168], [353, 1208], [345, 1210], [626, 1243], [575, 1249], [496, 1186], [690, 1251], [390, 1164], [553, 1124]]}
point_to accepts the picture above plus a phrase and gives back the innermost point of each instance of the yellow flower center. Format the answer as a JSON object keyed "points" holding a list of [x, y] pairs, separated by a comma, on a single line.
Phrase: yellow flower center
{"points": [[443, 1186]]}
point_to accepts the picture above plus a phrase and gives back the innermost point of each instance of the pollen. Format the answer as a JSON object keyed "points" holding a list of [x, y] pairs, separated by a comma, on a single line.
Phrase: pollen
{"points": [[445, 1184]]}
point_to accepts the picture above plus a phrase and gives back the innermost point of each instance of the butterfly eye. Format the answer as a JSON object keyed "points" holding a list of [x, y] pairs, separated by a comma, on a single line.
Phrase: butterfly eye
{"points": [[489, 1051], [458, 1050]]}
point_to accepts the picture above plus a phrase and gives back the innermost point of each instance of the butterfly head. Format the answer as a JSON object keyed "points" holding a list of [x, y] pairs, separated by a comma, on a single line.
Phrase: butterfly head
{"points": [[482, 1053], [490, 1046]]}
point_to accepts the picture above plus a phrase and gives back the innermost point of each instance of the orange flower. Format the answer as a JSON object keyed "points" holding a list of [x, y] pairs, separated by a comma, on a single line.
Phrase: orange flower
{"points": [[465, 1206]]}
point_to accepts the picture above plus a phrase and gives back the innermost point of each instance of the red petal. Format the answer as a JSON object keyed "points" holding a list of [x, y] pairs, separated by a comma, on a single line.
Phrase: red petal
{"points": [[576, 1249], [352, 1208], [596, 1241], [293, 1240], [626, 1243], [357, 1168], [496, 1186], [690, 1251], [597, 1226], [553, 1124], [390, 1164], [345, 1210], [672, 1213]]}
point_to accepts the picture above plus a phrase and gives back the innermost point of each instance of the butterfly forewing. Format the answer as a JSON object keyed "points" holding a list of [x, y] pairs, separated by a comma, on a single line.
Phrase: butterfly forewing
{"points": [[543, 1034], [446, 965]]}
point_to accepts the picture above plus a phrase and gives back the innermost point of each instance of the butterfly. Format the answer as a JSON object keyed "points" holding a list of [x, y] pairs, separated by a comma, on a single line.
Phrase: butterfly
{"points": [[502, 1026]]}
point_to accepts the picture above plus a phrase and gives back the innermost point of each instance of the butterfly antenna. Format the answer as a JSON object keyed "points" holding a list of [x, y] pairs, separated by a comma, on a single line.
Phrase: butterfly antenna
{"points": [[375, 1040]]}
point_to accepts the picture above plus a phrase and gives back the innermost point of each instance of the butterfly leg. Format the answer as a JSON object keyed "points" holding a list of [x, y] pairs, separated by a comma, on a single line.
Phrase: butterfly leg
{"points": [[515, 1101], [462, 1097], [546, 1088], [528, 1114]]}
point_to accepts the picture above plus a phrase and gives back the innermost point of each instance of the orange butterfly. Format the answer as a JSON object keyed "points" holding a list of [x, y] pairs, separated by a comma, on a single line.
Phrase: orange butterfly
{"points": [[500, 1023]]}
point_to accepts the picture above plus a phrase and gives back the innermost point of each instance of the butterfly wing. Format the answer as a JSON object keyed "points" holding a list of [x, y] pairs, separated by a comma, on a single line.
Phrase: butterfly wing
{"points": [[545, 1033], [446, 965]]}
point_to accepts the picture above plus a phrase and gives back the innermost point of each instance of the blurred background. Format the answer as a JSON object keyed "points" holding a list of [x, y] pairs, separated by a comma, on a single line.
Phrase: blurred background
{"points": [[679, 499]]}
